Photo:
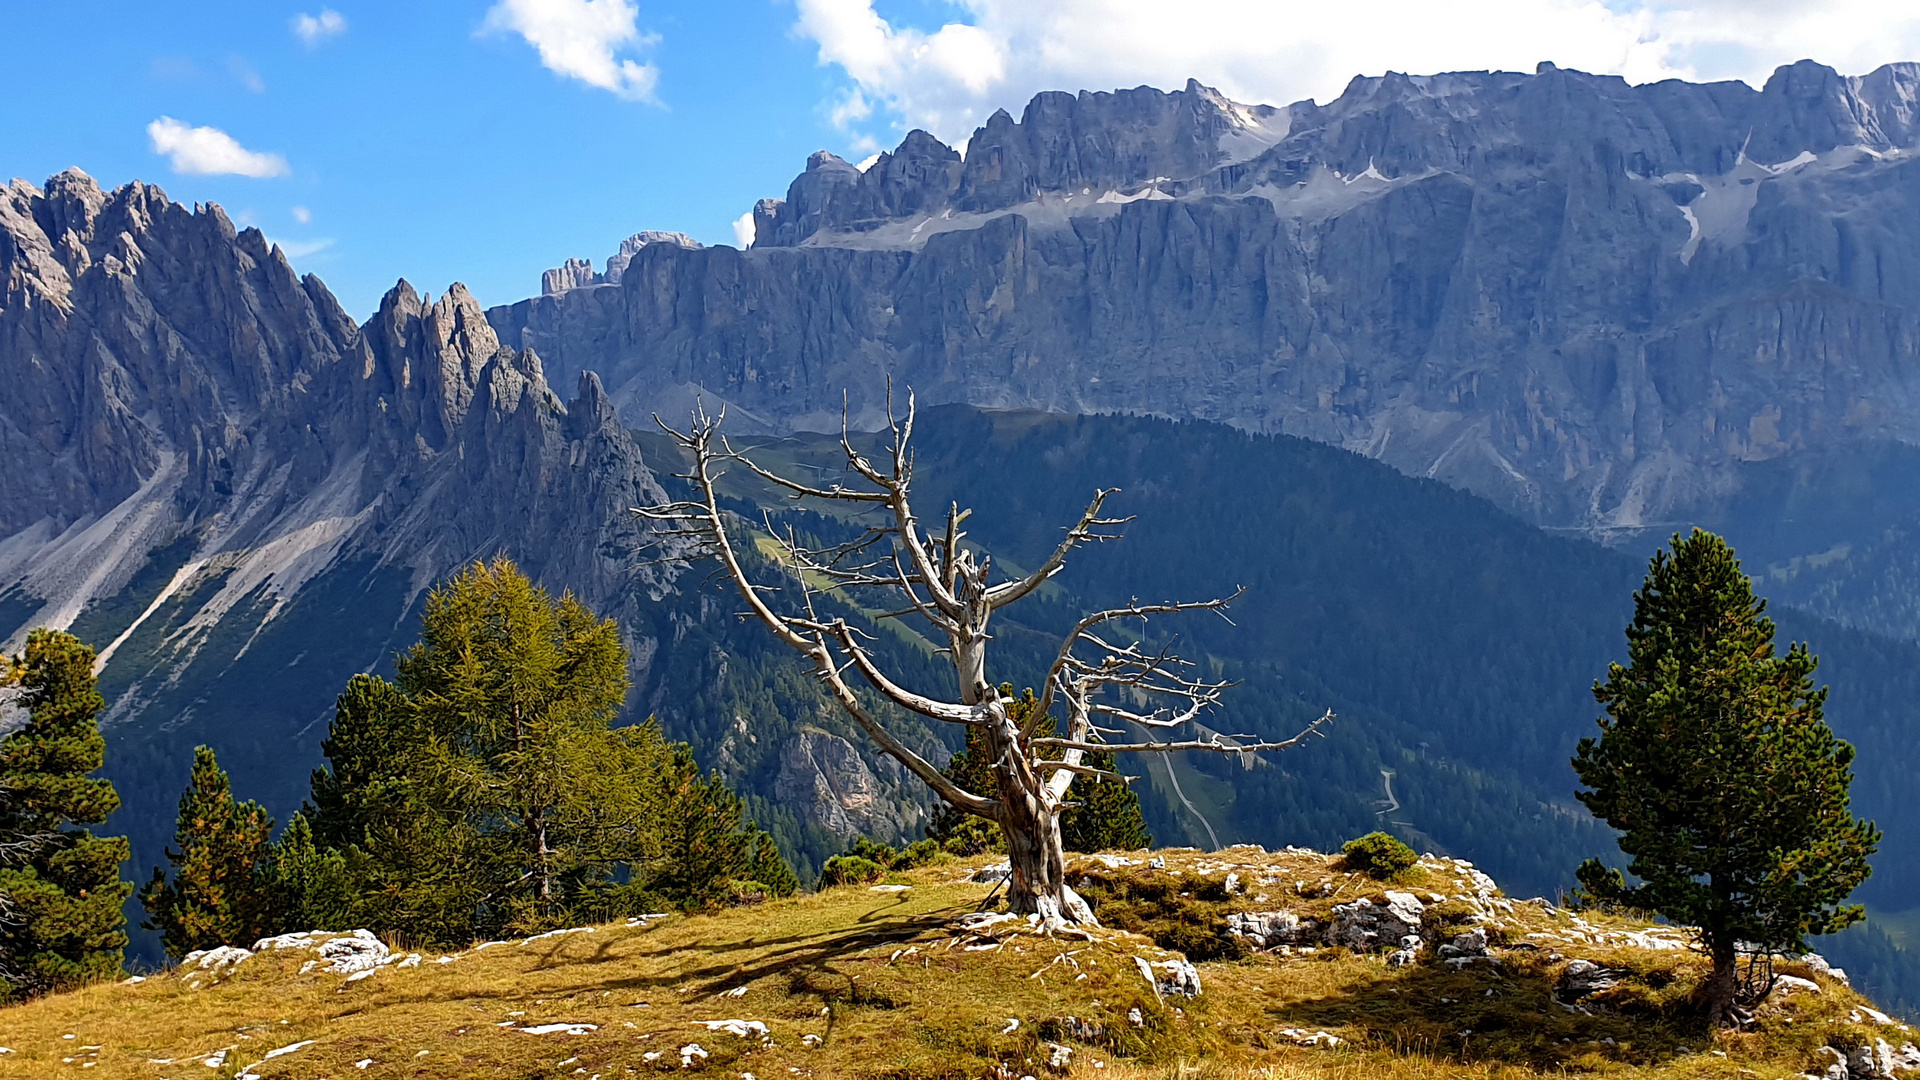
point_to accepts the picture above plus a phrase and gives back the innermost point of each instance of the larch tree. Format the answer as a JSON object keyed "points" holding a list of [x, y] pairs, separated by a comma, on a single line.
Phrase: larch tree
{"points": [[1717, 766], [487, 792], [61, 924], [1098, 678], [514, 686]]}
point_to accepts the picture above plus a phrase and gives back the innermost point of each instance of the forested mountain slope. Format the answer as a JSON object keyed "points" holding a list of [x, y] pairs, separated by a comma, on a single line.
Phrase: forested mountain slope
{"points": [[1458, 643]]}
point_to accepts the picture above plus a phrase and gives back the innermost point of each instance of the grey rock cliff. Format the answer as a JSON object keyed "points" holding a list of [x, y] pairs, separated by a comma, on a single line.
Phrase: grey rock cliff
{"points": [[239, 496], [1585, 300], [172, 378]]}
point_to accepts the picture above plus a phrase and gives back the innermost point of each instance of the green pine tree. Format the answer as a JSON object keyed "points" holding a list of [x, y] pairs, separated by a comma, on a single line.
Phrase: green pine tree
{"points": [[367, 779], [412, 861], [62, 923], [707, 849], [1717, 767], [1108, 816], [219, 892], [310, 887]]}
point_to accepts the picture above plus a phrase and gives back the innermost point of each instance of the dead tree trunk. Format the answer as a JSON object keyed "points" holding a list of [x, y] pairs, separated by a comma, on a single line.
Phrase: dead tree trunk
{"points": [[1098, 675]]}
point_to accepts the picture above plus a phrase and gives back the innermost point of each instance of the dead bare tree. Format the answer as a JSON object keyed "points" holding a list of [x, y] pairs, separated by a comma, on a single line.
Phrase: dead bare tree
{"points": [[1097, 674]]}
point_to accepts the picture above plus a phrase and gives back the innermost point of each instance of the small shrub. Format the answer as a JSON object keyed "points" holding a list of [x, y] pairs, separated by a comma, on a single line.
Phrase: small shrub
{"points": [[850, 870], [912, 856], [1379, 856], [735, 893]]}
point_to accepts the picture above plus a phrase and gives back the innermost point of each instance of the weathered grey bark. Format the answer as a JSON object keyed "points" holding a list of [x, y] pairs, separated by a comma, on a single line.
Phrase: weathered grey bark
{"points": [[940, 579]]}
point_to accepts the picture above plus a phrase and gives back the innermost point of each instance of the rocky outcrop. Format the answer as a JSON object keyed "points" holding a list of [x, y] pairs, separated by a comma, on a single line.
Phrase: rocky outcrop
{"points": [[579, 273], [825, 777], [1365, 925], [1586, 300]]}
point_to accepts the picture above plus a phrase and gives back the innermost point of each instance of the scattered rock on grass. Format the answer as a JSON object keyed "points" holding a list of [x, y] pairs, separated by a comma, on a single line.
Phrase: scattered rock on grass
{"points": [[217, 960], [1170, 977], [1584, 977], [342, 954], [1793, 984], [1302, 1037], [740, 1028], [1266, 929]]}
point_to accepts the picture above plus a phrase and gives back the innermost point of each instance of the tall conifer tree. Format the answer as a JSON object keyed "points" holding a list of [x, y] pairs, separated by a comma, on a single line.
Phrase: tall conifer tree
{"points": [[220, 892], [1715, 763], [62, 883]]}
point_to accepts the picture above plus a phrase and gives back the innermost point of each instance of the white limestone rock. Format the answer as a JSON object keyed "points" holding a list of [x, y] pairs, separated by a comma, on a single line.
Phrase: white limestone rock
{"points": [[341, 954], [1365, 925]]}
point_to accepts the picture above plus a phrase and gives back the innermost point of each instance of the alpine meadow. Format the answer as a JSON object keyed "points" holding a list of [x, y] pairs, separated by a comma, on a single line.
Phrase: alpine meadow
{"points": [[1414, 583]]}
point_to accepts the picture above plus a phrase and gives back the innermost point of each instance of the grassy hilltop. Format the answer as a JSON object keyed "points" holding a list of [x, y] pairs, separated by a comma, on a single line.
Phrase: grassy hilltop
{"points": [[903, 979]]}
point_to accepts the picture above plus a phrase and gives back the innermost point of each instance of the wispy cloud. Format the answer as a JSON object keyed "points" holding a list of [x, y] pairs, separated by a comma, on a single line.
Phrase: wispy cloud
{"points": [[300, 249], [583, 39], [302, 215], [315, 29], [173, 67], [244, 74], [208, 151]]}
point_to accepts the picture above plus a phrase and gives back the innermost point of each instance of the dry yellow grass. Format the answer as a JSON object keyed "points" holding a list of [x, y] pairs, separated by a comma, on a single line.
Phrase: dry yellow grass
{"points": [[860, 983]]}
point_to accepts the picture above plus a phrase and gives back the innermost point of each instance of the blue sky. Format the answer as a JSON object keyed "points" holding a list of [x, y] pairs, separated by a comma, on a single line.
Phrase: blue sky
{"points": [[416, 146], [485, 140]]}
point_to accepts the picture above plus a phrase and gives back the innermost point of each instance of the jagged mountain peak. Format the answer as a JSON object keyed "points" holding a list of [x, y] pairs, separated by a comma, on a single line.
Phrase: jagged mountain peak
{"points": [[579, 273], [1525, 284], [188, 388]]}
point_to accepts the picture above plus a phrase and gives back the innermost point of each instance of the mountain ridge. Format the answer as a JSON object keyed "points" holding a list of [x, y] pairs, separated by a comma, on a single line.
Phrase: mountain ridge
{"points": [[1586, 301]]}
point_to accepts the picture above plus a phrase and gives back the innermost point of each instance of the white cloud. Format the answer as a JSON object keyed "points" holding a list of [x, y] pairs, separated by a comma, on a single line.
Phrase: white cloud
{"points": [[582, 39], [314, 29], [207, 151], [300, 249], [302, 215], [998, 53], [743, 231]]}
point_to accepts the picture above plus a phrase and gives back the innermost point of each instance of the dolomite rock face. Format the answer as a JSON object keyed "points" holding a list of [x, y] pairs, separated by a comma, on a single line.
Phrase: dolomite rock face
{"points": [[173, 382], [237, 495], [579, 273], [824, 774], [1585, 300]]}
